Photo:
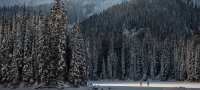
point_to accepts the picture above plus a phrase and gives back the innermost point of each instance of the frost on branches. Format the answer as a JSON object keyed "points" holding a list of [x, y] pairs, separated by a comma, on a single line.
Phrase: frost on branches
{"points": [[35, 50]]}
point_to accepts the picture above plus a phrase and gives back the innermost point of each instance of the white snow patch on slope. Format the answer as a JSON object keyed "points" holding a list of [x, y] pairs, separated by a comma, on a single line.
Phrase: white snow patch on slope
{"points": [[104, 5]]}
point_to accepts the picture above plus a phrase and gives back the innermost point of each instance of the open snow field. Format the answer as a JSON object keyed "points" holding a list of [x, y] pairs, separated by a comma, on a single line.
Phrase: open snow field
{"points": [[133, 85], [130, 85]]}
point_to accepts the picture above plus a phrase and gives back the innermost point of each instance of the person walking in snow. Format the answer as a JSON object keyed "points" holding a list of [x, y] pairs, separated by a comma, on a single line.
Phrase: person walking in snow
{"points": [[147, 83]]}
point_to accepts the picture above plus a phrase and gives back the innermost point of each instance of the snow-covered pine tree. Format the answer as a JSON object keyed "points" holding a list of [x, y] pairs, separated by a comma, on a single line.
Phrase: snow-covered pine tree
{"points": [[139, 61], [190, 60], [109, 68], [21, 37], [144, 62], [115, 66], [10, 30], [27, 62], [76, 69], [155, 60], [196, 65], [136, 52], [110, 58], [81, 56], [197, 58], [6, 61], [3, 23], [95, 61], [1, 44], [122, 61], [132, 59], [33, 43], [91, 62], [147, 53], [14, 66], [182, 60], [58, 28], [165, 62], [176, 61], [87, 57], [62, 44], [13, 69], [42, 52], [47, 70], [103, 70]]}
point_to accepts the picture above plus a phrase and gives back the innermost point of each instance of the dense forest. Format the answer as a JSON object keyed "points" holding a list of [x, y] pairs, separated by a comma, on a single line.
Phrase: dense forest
{"points": [[136, 40], [145, 39], [77, 10], [41, 49]]}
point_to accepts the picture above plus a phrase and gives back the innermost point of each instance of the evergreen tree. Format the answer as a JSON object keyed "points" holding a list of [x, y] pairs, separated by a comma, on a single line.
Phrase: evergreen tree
{"points": [[21, 40], [115, 65], [147, 53], [62, 43], [139, 62], [43, 60], [77, 65], [155, 60], [14, 66], [182, 60], [110, 60], [103, 70], [176, 60], [197, 58], [87, 57], [3, 23], [28, 69], [131, 61], [1, 41], [165, 63], [122, 62], [6, 61], [190, 60], [58, 45], [95, 62]]}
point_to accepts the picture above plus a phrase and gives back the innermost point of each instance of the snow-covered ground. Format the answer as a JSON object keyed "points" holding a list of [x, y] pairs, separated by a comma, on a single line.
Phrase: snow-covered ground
{"points": [[131, 85], [104, 5], [134, 85]]}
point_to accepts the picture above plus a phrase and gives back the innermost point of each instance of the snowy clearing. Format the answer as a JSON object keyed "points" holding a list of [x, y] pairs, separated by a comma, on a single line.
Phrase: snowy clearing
{"points": [[135, 85]]}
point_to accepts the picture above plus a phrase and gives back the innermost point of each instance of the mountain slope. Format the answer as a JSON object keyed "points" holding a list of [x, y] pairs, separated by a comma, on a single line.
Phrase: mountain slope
{"points": [[162, 17], [27, 2], [78, 10]]}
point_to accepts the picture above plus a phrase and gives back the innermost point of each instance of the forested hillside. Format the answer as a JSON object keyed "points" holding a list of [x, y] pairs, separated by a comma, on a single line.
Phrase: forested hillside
{"points": [[78, 10], [137, 40], [145, 39], [41, 50]]}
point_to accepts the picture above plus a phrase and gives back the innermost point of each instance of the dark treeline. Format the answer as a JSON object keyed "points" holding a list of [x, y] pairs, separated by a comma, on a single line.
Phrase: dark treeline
{"points": [[145, 39], [40, 49], [77, 11]]}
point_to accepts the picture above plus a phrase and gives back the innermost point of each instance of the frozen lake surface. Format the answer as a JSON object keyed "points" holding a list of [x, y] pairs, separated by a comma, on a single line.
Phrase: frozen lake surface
{"points": [[130, 85], [134, 85]]}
